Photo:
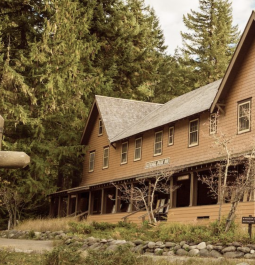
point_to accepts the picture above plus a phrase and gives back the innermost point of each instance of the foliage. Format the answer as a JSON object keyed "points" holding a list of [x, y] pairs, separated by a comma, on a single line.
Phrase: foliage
{"points": [[54, 57], [63, 255], [210, 41], [123, 255]]}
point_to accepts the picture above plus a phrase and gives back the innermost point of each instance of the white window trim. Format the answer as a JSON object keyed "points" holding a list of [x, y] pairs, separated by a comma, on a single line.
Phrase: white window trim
{"points": [[194, 144], [100, 125], [93, 152], [213, 116], [106, 148], [172, 127], [137, 159], [158, 154], [238, 116], [122, 153]]}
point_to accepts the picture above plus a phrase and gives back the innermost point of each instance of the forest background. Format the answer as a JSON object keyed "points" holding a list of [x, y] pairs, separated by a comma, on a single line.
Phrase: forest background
{"points": [[55, 55]]}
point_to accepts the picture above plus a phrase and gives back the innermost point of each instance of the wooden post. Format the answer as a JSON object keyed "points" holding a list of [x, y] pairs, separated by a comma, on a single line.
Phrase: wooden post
{"points": [[76, 204], [59, 206], [191, 190], [117, 201], [131, 199], [1, 130], [89, 203], [102, 202], [172, 194], [68, 204]]}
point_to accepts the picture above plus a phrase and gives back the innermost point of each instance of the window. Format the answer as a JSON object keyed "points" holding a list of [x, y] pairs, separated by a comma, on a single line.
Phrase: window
{"points": [[100, 127], [244, 114], [91, 161], [158, 143], [193, 132], [106, 157], [138, 149], [213, 123], [124, 152], [171, 136]]}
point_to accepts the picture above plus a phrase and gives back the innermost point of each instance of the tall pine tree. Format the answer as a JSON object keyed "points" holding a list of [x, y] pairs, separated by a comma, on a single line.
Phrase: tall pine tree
{"points": [[211, 39]]}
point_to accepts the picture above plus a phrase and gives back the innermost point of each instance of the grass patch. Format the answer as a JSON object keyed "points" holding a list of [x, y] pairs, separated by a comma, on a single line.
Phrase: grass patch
{"points": [[174, 232], [13, 258], [42, 225]]}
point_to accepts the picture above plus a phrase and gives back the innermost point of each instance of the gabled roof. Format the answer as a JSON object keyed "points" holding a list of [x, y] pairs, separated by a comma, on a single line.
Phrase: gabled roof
{"points": [[117, 114], [178, 108], [239, 54]]}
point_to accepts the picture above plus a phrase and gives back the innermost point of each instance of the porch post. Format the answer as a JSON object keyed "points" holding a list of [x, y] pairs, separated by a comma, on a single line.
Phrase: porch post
{"points": [[191, 193], [68, 204], [76, 204], [59, 206], [193, 189], [116, 200], [89, 203], [172, 194], [131, 199], [102, 201]]}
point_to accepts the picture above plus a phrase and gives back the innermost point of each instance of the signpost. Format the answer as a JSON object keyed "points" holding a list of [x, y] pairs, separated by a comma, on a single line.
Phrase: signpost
{"points": [[250, 221]]}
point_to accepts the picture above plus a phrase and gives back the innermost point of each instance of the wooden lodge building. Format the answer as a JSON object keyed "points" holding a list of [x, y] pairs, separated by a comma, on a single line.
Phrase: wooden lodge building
{"points": [[128, 140]]}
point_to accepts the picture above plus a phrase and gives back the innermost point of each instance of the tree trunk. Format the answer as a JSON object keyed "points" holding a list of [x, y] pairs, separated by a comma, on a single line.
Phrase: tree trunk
{"points": [[231, 214]]}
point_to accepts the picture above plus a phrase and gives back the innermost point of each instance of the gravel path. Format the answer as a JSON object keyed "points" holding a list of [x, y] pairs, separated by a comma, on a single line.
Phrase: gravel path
{"points": [[26, 246]]}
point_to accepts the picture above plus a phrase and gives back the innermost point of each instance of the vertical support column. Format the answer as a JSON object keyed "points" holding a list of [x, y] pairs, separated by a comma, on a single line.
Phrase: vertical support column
{"points": [[68, 204], [1, 130], [117, 204], [76, 204], [191, 192], [59, 206], [172, 194], [102, 202], [89, 203]]}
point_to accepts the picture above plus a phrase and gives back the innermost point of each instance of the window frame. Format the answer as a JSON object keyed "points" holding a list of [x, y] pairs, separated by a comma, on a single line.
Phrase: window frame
{"points": [[197, 142], [121, 157], [141, 139], [241, 103], [100, 127], [156, 133], [90, 154], [213, 127], [104, 157], [170, 136]]}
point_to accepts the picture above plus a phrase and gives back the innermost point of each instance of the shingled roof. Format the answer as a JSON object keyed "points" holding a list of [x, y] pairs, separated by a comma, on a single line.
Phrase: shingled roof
{"points": [[178, 108], [119, 114]]}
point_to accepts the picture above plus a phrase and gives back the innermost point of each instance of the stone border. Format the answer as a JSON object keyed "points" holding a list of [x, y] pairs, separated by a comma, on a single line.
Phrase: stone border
{"points": [[149, 248]]}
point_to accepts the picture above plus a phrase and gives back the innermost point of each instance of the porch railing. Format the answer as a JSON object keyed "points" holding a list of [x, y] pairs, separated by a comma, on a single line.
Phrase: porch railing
{"points": [[155, 210], [125, 217]]}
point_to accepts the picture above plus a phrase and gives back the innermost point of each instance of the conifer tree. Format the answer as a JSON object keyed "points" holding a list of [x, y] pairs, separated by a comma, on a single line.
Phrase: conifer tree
{"points": [[211, 39]]}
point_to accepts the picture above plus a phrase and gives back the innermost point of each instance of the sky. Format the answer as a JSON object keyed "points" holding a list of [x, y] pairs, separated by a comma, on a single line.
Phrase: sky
{"points": [[170, 14]]}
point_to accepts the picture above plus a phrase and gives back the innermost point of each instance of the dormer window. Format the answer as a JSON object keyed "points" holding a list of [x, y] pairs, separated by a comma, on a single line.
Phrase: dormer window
{"points": [[244, 116], [100, 127]]}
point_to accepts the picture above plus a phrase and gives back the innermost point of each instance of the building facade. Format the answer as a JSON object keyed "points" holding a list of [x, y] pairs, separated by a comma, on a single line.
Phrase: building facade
{"points": [[131, 140]]}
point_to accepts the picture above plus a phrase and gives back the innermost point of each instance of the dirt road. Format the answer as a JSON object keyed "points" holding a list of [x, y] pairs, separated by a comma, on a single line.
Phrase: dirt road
{"points": [[26, 246]]}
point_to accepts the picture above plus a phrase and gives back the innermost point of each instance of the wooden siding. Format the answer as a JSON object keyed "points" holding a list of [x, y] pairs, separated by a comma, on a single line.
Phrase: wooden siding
{"points": [[189, 215], [179, 153]]}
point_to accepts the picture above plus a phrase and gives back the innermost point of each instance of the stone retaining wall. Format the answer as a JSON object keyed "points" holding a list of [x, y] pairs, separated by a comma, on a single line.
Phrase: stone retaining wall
{"points": [[203, 249]]}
